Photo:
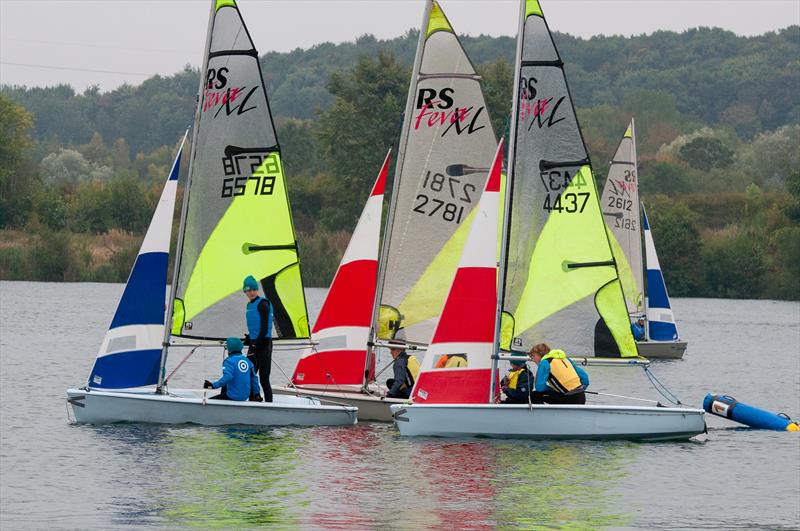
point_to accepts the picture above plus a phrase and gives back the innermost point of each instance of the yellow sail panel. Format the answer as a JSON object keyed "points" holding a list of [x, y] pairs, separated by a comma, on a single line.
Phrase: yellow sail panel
{"points": [[571, 236], [426, 298], [532, 7], [611, 305], [626, 276], [232, 251], [437, 21], [289, 286]]}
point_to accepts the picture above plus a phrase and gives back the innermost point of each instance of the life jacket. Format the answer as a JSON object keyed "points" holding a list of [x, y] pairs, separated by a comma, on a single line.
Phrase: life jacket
{"points": [[253, 318], [455, 360], [563, 378], [412, 370], [513, 377], [441, 362]]}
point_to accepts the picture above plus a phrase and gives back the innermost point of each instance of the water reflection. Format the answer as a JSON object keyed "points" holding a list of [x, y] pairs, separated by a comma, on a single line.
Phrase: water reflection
{"points": [[562, 484]]}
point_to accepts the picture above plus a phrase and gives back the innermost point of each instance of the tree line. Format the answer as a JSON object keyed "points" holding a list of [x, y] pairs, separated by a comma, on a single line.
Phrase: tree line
{"points": [[717, 134]]}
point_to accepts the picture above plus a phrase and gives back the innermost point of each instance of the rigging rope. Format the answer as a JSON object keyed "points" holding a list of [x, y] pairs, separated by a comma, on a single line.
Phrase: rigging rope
{"points": [[661, 388]]}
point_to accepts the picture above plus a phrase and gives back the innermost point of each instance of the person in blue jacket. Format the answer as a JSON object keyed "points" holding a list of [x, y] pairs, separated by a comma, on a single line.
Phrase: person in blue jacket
{"points": [[517, 386], [638, 329], [558, 379], [258, 316], [238, 381]]}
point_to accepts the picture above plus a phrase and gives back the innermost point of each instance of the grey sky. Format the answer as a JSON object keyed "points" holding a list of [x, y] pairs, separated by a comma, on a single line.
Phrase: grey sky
{"points": [[145, 37]]}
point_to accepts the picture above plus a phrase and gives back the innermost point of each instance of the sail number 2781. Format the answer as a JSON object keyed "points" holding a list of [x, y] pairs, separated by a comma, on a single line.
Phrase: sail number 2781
{"points": [[452, 188]]}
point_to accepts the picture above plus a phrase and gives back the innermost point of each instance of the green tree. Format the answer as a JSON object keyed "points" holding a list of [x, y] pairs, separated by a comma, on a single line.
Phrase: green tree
{"points": [[16, 175], [706, 153], [358, 129], [679, 245], [497, 84], [734, 265]]}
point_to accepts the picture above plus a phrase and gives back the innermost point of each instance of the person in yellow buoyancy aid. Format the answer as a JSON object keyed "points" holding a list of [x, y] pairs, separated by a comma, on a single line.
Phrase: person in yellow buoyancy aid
{"points": [[517, 386], [451, 361], [558, 379], [406, 369]]}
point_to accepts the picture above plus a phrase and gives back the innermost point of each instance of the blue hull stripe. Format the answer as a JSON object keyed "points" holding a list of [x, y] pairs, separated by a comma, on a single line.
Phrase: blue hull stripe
{"points": [[145, 294], [134, 368]]}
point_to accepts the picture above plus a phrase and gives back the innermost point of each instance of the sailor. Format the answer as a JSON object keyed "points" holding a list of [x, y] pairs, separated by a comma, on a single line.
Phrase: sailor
{"points": [[406, 369], [558, 379], [517, 386], [238, 381], [451, 361], [258, 315], [638, 329]]}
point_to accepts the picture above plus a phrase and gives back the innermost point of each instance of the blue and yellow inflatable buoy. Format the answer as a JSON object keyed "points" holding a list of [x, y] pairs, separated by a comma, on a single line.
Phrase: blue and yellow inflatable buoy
{"points": [[728, 407]]}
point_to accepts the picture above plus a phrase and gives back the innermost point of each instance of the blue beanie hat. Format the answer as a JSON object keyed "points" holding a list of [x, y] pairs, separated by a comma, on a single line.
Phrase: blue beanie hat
{"points": [[250, 283], [517, 363], [234, 344]]}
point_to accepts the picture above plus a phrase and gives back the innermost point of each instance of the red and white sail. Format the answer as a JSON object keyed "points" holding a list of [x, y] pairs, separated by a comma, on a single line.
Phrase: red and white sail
{"points": [[467, 323], [339, 359]]}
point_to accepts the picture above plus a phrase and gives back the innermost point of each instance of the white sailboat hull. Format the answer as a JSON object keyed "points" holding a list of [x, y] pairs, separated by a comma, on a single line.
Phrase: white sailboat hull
{"points": [[186, 406], [370, 407], [549, 421], [658, 350]]}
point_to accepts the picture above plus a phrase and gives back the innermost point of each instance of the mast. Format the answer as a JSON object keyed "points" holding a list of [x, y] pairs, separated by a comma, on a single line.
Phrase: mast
{"points": [[512, 141], [184, 208], [398, 169], [641, 233]]}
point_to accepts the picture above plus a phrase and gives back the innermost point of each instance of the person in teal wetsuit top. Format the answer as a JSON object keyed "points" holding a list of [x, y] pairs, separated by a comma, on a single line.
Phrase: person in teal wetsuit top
{"points": [[258, 316], [238, 381]]}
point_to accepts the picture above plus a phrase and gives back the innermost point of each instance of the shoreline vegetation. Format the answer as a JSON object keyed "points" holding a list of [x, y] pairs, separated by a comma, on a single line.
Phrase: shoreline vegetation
{"points": [[718, 135]]}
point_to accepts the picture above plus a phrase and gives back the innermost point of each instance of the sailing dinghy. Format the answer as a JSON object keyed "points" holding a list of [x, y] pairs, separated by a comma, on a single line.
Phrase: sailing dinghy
{"points": [[621, 209], [446, 141], [551, 266], [236, 221]]}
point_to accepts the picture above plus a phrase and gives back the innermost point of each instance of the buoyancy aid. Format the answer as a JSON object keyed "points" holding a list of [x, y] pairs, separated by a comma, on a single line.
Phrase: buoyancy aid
{"points": [[513, 377], [441, 362], [563, 378], [253, 318], [412, 370], [455, 360]]}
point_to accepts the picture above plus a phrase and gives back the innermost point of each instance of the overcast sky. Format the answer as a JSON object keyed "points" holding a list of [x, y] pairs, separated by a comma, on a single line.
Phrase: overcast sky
{"points": [[109, 42]]}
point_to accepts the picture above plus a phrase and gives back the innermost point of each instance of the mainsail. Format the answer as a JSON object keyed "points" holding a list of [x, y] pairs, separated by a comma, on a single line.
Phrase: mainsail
{"points": [[620, 204], [339, 359], [447, 140], [237, 220], [660, 320], [130, 354], [560, 277]]}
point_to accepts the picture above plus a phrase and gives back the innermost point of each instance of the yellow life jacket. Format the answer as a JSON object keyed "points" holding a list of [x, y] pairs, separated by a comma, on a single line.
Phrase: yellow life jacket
{"points": [[412, 371], [455, 360], [513, 377], [563, 377]]}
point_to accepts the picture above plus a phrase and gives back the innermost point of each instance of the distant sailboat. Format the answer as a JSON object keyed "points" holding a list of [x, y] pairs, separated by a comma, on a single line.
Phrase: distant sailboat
{"points": [[446, 142], [556, 271], [621, 209], [236, 221]]}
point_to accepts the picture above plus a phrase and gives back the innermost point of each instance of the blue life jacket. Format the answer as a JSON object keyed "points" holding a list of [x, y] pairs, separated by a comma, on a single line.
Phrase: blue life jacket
{"points": [[239, 377], [253, 318]]}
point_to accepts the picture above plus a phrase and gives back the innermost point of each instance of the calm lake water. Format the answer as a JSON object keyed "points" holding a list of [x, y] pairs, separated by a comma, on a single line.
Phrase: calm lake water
{"points": [[55, 474]]}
